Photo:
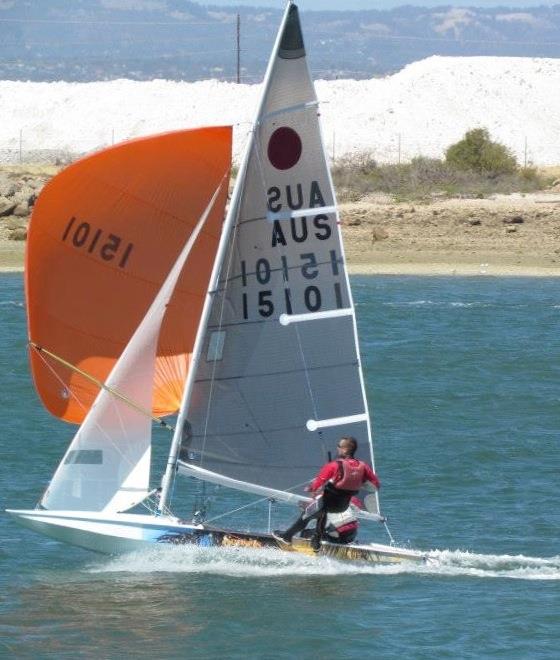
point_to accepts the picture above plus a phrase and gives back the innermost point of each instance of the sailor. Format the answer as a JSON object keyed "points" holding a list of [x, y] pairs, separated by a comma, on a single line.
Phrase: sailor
{"points": [[333, 488]]}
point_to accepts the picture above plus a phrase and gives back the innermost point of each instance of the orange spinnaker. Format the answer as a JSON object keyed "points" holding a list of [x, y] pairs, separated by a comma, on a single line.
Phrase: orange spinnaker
{"points": [[103, 237]]}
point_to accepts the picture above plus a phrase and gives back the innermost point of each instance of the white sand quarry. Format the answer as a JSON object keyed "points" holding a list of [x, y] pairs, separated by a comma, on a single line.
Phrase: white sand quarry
{"points": [[418, 111]]}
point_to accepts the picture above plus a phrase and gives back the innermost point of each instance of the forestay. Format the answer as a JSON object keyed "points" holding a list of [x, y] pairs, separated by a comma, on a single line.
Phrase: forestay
{"points": [[279, 376]]}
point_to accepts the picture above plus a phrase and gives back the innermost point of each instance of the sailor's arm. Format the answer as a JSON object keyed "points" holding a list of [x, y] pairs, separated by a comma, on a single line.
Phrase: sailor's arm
{"points": [[372, 481], [328, 471]]}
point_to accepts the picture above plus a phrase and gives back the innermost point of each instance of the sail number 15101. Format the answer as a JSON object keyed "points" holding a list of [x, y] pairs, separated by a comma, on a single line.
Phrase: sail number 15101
{"points": [[96, 241], [312, 295]]}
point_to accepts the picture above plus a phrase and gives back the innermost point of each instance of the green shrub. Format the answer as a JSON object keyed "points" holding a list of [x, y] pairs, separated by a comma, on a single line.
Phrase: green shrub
{"points": [[358, 175], [529, 173], [478, 153]]}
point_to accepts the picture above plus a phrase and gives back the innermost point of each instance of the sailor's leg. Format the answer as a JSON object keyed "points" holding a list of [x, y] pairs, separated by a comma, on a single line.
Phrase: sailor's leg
{"points": [[298, 526], [331, 501], [319, 530], [311, 511]]}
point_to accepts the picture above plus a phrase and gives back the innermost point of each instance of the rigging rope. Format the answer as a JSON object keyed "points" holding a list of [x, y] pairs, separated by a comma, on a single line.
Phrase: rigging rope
{"points": [[259, 501], [129, 402], [388, 532], [232, 511]]}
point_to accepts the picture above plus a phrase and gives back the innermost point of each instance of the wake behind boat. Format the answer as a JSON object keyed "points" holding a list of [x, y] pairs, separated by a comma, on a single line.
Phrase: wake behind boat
{"points": [[247, 331]]}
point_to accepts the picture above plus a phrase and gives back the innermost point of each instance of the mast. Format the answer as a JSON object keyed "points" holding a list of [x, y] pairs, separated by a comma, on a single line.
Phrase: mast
{"points": [[229, 222]]}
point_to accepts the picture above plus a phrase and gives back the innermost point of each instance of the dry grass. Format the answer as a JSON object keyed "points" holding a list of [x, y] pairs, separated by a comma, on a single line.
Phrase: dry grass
{"points": [[550, 172], [31, 169]]}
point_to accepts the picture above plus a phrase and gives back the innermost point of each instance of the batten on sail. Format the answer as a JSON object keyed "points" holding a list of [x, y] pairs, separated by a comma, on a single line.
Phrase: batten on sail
{"points": [[287, 319], [102, 238], [286, 110], [301, 213], [315, 424]]}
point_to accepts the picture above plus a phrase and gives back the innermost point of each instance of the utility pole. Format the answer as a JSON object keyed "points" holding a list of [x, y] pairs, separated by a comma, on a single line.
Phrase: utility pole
{"points": [[238, 49]]}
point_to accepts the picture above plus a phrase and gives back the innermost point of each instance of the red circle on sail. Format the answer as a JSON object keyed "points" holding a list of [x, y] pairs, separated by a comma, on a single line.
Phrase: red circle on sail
{"points": [[284, 148]]}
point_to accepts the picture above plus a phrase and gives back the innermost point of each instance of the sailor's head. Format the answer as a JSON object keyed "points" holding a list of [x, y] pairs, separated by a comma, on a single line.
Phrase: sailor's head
{"points": [[347, 446]]}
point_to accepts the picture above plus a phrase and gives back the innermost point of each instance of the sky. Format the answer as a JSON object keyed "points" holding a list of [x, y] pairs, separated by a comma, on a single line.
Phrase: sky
{"points": [[381, 4]]}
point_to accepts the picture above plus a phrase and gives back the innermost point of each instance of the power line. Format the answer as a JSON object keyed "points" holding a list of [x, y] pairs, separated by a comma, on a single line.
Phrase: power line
{"points": [[238, 34], [494, 42], [101, 22], [149, 57]]}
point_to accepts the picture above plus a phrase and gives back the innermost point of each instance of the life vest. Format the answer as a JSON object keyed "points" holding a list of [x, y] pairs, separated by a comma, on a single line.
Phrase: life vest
{"points": [[351, 474]]}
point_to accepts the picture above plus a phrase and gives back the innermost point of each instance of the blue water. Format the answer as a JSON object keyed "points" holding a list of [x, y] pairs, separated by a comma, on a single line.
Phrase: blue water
{"points": [[463, 377]]}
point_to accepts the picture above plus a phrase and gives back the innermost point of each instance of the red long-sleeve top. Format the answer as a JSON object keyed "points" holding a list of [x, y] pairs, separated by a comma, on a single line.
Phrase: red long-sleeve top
{"points": [[330, 471]]}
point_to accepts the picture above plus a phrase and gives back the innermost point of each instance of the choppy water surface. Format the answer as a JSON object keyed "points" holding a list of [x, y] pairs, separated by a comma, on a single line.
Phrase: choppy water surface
{"points": [[463, 377]]}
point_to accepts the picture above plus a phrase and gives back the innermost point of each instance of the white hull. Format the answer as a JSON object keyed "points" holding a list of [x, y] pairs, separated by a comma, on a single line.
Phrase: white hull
{"points": [[122, 532], [125, 532]]}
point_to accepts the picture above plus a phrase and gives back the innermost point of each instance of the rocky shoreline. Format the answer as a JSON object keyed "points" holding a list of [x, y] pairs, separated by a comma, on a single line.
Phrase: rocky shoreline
{"points": [[505, 235], [19, 188]]}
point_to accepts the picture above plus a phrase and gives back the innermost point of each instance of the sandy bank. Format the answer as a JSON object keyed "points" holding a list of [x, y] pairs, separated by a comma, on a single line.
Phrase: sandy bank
{"points": [[507, 236], [513, 235], [11, 256]]}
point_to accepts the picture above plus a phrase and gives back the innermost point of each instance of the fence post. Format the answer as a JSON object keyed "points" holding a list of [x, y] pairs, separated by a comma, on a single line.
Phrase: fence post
{"points": [[399, 148], [238, 35], [20, 146]]}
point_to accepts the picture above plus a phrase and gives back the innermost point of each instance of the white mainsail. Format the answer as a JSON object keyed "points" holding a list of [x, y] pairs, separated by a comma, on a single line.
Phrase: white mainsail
{"points": [[278, 377], [107, 465]]}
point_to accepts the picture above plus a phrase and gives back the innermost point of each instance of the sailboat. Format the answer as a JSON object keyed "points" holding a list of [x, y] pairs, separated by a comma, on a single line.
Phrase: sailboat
{"points": [[143, 302]]}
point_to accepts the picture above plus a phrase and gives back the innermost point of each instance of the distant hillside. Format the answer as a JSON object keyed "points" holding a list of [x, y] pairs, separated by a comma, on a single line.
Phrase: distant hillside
{"points": [[88, 40]]}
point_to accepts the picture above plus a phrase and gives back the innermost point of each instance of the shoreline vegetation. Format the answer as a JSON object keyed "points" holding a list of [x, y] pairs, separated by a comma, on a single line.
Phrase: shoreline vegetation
{"points": [[410, 219]]}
